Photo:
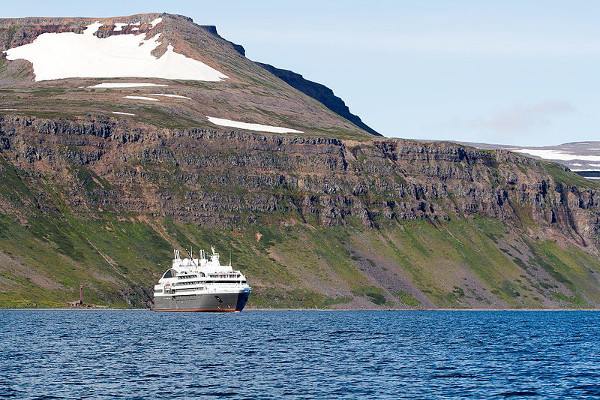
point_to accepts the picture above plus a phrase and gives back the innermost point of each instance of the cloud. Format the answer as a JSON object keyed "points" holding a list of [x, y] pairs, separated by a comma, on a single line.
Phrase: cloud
{"points": [[521, 118]]}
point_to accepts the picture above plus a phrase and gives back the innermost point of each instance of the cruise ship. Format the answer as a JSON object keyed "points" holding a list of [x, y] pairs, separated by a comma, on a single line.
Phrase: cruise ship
{"points": [[201, 284]]}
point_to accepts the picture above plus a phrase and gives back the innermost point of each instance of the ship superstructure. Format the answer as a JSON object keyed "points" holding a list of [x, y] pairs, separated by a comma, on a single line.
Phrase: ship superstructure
{"points": [[201, 284]]}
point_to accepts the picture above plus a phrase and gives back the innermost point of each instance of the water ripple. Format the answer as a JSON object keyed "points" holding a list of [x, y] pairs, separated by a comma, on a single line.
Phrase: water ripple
{"points": [[299, 354]]}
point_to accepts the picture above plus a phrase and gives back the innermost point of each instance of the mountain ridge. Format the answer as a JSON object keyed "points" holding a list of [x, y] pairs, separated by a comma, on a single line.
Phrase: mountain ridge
{"points": [[316, 90]]}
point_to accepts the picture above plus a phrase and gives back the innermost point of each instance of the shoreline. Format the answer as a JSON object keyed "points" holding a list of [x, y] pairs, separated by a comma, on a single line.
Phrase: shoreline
{"points": [[327, 309]]}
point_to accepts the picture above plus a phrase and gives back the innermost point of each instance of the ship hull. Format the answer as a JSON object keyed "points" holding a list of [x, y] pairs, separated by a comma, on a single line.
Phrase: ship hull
{"points": [[205, 302]]}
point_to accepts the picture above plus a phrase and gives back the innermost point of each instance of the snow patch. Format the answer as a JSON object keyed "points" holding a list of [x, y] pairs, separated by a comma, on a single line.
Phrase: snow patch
{"points": [[557, 155], [119, 26], [91, 29], [8, 109], [140, 98], [123, 113], [109, 85], [251, 127], [71, 55], [135, 29], [176, 96], [156, 22]]}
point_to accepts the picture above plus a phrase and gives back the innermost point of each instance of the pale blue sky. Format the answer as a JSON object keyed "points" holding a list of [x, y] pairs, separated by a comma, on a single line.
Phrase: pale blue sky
{"points": [[514, 72]]}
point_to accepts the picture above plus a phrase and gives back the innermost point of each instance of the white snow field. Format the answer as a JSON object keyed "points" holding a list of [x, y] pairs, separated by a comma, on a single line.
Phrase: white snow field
{"points": [[175, 96], [123, 113], [117, 85], [119, 26], [557, 155], [140, 98], [156, 22], [73, 55], [250, 127]]}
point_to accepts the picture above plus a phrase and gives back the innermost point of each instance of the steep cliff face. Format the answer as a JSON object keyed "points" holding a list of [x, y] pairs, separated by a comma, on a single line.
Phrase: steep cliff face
{"points": [[382, 223], [320, 93]]}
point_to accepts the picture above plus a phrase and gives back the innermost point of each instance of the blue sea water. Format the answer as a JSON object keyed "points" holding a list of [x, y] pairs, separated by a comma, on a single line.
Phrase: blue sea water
{"points": [[299, 354]]}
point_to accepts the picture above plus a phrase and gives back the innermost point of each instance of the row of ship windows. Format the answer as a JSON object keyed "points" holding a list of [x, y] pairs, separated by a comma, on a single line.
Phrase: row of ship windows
{"points": [[210, 276], [198, 282], [178, 290]]}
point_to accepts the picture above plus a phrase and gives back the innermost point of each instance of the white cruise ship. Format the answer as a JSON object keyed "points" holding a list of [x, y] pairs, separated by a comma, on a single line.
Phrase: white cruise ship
{"points": [[201, 284]]}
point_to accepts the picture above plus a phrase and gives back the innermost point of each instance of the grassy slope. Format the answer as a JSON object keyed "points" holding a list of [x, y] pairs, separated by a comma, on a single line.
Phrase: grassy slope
{"points": [[458, 264]]}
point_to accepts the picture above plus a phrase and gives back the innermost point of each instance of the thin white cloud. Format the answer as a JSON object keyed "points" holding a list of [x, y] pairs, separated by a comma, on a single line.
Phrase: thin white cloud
{"points": [[520, 118]]}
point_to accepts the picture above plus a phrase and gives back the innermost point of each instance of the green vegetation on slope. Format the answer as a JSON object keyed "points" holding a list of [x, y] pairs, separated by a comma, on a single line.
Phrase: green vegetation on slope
{"points": [[415, 264]]}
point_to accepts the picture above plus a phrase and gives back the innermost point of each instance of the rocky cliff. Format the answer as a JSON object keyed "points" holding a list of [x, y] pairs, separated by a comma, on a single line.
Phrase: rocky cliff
{"points": [[514, 224], [320, 93]]}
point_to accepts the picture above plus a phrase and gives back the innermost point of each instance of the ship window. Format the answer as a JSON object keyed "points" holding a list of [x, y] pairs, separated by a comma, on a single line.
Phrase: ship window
{"points": [[169, 274]]}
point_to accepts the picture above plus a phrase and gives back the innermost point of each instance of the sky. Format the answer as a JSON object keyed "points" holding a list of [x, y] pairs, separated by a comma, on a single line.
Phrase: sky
{"points": [[518, 72]]}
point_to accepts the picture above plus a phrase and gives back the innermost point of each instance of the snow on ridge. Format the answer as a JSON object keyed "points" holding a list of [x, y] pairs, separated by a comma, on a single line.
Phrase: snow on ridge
{"points": [[91, 29], [119, 26], [140, 98], [123, 113], [72, 55], [557, 155], [251, 127], [113, 85], [176, 96], [156, 22]]}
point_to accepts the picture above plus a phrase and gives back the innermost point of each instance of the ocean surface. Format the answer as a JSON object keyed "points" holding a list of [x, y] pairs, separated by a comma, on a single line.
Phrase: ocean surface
{"points": [[299, 354]]}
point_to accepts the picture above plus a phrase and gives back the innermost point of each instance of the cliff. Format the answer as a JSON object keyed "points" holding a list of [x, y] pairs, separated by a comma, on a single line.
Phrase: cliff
{"points": [[320, 93], [313, 221]]}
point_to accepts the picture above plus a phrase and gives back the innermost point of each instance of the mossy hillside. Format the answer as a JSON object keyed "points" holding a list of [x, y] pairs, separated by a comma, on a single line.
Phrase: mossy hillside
{"points": [[457, 264], [567, 178]]}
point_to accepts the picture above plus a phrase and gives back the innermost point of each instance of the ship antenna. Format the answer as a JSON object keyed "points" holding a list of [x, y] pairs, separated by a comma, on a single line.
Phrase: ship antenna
{"points": [[230, 256]]}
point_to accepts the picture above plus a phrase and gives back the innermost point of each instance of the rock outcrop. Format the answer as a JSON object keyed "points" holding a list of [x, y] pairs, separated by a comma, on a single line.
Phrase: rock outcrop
{"points": [[228, 178], [319, 92]]}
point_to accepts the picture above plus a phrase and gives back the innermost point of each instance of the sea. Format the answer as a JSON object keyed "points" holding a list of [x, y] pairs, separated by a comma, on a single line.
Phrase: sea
{"points": [[299, 354]]}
